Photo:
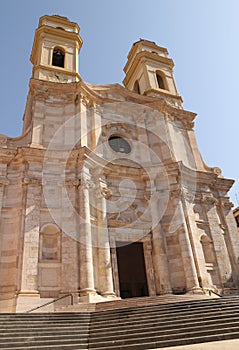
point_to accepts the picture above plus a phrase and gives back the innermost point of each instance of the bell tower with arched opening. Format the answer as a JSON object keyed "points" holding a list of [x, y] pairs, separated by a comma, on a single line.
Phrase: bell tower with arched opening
{"points": [[55, 50], [149, 71]]}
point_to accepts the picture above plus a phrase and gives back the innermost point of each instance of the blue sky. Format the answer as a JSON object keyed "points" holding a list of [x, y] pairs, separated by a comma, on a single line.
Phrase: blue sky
{"points": [[201, 37]]}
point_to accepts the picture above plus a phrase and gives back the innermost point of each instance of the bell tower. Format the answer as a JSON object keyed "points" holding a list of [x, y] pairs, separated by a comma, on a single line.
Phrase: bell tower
{"points": [[55, 50], [149, 71]]}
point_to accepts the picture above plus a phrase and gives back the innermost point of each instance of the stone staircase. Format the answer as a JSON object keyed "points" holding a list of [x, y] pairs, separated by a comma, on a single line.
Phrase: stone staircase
{"points": [[131, 328]]}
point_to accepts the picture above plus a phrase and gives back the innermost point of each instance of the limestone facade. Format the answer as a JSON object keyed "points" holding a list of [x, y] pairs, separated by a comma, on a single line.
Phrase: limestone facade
{"points": [[105, 194]]}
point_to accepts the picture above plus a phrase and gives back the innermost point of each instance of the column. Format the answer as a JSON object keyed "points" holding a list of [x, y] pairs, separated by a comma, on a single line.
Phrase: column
{"points": [[190, 270], [85, 239], [105, 267], [160, 260]]}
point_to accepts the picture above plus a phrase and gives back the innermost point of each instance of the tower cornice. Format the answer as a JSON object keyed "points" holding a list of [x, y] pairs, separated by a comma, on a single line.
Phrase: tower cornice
{"points": [[52, 31]]}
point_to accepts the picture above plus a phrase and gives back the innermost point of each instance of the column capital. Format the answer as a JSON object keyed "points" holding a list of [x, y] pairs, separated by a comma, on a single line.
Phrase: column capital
{"points": [[102, 190], [86, 182]]}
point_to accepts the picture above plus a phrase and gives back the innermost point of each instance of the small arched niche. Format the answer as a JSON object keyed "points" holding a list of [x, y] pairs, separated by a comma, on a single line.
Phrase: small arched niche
{"points": [[58, 57], [50, 243], [207, 248]]}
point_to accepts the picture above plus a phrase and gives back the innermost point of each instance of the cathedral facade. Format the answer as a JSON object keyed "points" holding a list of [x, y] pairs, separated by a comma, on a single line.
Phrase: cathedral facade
{"points": [[105, 194]]}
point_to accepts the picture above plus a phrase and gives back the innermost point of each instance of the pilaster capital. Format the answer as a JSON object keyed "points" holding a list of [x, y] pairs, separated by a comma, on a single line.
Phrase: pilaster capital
{"points": [[176, 193], [42, 95], [72, 182], [4, 181], [85, 182], [3, 140], [226, 203], [103, 190], [85, 100], [27, 180], [208, 199]]}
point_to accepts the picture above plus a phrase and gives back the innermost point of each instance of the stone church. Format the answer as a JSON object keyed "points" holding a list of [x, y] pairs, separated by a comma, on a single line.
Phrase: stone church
{"points": [[105, 195]]}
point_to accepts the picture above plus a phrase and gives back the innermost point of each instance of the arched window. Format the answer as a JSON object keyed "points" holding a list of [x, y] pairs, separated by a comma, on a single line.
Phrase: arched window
{"points": [[207, 249], [50, 243], [58, 57], [136, 87], [160, 81]]}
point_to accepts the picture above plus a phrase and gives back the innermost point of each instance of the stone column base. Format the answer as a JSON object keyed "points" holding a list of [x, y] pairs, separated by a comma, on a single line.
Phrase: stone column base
{"points": [[96, 298], [109, 295], [196, 290]]}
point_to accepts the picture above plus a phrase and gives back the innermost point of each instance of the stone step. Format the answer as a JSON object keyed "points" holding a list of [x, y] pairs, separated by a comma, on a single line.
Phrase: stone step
{"points": [[152, 344], [43, 316], [162, 326], [44, 332], [197, 303], [44, 341], [168, 333], [138, 338], [177, 304], [161, 299], [151, 316], [37, 325], [50, 347]]}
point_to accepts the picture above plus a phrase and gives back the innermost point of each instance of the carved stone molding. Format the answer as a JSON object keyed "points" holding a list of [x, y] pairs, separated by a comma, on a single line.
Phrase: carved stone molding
{"points": [[31, 181], [176, 193], [202, 224], [4, 181], [148, 195], [224, 228], [98, 109], [188, 124], [41, 95], [217, 171], [57, 77], [86, 100], [86, 183], [208, 199], [3, 140], [103, 190], [188, 195], [227, 204], [73, 182], [170, 117]]}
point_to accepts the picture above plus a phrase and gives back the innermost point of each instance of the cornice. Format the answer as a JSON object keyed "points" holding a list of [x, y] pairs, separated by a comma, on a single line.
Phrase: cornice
{"points": [[45, 29], [6, 155], [142, 57], [141, 42], [56, 69], [154, 103], [134, 55], [76, 91], [59, 19], [94, 94], [165, 93]]}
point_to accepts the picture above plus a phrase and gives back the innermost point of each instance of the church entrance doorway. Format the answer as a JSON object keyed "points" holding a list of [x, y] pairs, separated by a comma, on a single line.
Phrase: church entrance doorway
{"points": [[131, 269]]}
